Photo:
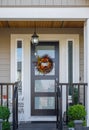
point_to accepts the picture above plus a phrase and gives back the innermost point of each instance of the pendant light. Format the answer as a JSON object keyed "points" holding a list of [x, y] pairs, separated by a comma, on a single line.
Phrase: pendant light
{"points": [[35, 37]]}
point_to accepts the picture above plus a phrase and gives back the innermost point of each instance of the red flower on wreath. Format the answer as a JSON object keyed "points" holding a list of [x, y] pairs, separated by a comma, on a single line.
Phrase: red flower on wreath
{"points": [[44, 64]]}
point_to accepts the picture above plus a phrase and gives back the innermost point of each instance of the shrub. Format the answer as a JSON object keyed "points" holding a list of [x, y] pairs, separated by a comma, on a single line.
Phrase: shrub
{"points": [[6, 125], [4, 115], [70, 124], [76, 112]]}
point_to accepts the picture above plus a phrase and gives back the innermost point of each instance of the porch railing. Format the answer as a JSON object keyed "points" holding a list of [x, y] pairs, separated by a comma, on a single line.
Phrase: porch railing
{"points": [[9, 98], [70, 94]]}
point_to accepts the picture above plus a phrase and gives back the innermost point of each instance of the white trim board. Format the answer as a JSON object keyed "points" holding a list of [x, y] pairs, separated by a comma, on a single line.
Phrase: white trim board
{"points": [[25, 13], [63, 70]]}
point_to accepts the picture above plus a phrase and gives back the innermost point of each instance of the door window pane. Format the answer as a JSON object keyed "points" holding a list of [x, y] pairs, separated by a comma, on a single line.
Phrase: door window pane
{"points": [[44, 86], [43, 50], [44, 103]]}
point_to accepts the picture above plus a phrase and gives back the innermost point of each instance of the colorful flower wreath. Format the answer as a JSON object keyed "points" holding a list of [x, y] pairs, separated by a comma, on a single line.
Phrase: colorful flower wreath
{"points": [[44, 64]]}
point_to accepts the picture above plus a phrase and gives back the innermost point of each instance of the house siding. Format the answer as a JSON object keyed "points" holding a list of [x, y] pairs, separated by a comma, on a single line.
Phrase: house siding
{"points": [[81, 53], [4, 57], [44, 2], [5, 52]]}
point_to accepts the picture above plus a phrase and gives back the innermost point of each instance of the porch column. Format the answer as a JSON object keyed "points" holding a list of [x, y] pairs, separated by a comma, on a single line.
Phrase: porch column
{"points": [[86, 64]]}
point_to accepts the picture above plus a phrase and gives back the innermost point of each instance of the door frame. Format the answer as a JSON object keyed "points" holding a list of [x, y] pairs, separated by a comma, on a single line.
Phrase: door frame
{"points": [[63, 70], [44, 112]]}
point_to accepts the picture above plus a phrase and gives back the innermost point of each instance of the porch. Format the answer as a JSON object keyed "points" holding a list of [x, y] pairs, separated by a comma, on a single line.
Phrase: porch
{"points": [[37, 126], [73, 68]]}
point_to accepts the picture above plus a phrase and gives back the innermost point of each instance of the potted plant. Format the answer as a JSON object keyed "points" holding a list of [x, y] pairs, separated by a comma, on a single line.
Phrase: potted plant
{"points": [[4, 115], [76, 112]]}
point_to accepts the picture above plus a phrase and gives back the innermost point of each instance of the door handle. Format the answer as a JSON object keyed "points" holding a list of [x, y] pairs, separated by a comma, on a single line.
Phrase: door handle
{"points": [[56, 81]]}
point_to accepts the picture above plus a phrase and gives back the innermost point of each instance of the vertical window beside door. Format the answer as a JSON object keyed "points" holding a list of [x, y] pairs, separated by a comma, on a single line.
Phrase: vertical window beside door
{"points": [[19, 64], [70, 64]]}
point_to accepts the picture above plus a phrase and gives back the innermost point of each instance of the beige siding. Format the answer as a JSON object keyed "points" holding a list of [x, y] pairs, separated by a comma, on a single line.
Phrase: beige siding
{"points": [[81, 69], [81, 58], [44, 2], [4, 57]]}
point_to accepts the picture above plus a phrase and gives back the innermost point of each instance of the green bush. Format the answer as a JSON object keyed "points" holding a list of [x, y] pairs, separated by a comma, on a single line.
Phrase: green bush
{"points": [[6, 125], [70, 124], [76, 112], [4, 115]]}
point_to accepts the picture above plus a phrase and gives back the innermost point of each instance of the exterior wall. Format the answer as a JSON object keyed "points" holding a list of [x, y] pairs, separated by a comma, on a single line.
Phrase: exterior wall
{"points": [[81, 53], [4, 57], [5, 48], [44, 2]]}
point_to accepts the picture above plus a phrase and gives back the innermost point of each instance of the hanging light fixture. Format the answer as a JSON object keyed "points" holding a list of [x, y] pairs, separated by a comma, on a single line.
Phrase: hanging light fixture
{"points": [[35, 37]]}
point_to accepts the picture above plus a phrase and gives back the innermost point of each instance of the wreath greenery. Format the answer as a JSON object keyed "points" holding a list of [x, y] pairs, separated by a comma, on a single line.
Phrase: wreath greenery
{"points": [[44, 64]]}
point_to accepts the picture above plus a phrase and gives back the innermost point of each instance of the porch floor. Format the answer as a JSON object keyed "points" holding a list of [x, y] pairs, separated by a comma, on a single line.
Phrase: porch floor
{"points": [[38, 126]]}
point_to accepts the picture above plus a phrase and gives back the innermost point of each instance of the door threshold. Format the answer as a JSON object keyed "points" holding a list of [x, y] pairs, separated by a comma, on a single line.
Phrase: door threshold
{"points": [[43, 121], [43, 118]]}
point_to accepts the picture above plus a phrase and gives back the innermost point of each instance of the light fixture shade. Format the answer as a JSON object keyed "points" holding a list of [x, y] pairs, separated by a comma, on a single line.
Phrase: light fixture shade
{"points": [[35, 39]]}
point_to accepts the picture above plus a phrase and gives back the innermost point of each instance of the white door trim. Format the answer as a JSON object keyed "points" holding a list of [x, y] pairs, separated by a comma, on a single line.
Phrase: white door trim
{"points": [[63, 67]]}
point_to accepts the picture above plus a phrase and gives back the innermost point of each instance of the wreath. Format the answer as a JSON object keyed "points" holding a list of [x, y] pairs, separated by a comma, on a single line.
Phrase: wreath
{"points": [[44, 64]]}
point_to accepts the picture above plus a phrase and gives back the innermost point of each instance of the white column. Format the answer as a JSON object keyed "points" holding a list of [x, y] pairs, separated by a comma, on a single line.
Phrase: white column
{"points": [[86, 64]]}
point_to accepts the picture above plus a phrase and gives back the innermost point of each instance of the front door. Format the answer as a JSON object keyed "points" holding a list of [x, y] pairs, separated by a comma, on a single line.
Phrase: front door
{"points": [[45, 73]]}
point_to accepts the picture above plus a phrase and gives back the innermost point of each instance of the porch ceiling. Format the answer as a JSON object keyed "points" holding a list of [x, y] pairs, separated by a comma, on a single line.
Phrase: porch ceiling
{"points": [[41, 24]]}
